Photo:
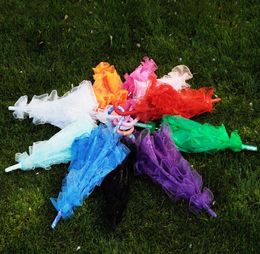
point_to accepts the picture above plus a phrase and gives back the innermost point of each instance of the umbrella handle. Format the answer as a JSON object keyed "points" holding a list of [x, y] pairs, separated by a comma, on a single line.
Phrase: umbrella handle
{"points": [[123, 113], [56, 220], [249, 147], [134, 123], [12, 168], [125, 133]]}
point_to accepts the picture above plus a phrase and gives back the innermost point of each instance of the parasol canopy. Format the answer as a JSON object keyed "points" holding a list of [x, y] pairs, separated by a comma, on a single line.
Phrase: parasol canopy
{"points": [[79, 103], [56, 150], [158, 158], [177, 77], [138, 81], [93, 158], [116, 186], [108, 86], [193, 137], [162, 99]]}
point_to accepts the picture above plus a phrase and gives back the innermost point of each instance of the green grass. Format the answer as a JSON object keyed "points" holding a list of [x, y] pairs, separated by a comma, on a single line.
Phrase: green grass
{"points": [[41, 50]]}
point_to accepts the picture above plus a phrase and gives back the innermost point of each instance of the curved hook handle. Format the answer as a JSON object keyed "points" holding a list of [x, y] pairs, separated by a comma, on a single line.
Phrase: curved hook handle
{"points": [[125, 113]]}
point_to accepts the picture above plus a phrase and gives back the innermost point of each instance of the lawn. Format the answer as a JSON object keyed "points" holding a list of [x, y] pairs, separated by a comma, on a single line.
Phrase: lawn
{"points": [[46, 45]]}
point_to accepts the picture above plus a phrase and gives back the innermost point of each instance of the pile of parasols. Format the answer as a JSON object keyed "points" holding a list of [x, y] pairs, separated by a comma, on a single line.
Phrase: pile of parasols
{"points": [[111, 128]]}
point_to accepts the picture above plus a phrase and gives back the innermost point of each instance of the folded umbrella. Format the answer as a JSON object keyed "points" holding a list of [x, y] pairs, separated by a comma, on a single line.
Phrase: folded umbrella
{"points": [[138, 81], [162, 99], [93, 158], [77, 104], [177, 77], [108, 86], [115, 188], [193, 137], [158, 158], [56, 150]]}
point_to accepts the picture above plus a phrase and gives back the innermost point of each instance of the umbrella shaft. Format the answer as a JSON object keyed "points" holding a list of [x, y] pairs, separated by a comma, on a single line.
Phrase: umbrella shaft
{"points": [[143, 125]]}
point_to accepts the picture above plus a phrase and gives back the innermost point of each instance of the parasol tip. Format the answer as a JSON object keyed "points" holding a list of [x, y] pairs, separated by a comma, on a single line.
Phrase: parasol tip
{"points": [[216, 100], [56, 220], [211, 212], [12, 108], [249, 147], [12, 168]]}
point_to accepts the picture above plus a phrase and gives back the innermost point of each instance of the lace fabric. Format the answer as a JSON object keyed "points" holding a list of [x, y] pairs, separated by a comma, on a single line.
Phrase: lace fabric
{"points": [[177, 77], [79, 103], [193, 137], [93, 158], [138, 81], [161, 99], [57, 149], [158, 158], [116, 187], [108, 85]]}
